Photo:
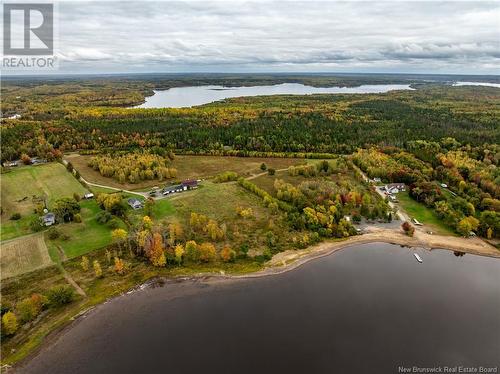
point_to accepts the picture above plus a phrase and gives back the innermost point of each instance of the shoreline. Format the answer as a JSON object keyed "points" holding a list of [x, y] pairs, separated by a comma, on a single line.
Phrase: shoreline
{"points": [[282, 263]]}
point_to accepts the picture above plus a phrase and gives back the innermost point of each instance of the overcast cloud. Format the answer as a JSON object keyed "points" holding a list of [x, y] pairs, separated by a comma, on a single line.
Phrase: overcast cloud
{"points": [[435, 37]]}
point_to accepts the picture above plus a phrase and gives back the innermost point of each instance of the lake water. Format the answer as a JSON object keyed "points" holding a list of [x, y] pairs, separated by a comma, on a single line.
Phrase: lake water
{"points": [[485, 84], [182, 97], [365, 309]]}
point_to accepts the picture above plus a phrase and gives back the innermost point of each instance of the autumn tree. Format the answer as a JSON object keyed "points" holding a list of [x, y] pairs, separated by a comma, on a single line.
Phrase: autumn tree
{"points": [[408, 228], [207, 252], [175, 232], [179, 253], [97, 269], [119, 266], [157, 253], [85, 263], [119, 236], [227, 254], [467, 225], [192, 252]]}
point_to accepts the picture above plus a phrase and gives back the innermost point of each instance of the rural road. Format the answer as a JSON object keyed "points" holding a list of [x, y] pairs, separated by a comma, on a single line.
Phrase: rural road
{"points": [[401, 215]]}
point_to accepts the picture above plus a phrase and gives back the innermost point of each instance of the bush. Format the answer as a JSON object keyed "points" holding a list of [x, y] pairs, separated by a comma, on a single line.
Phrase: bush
{"points": [[408, 228], [65, 237], [271, 171], [78, 218], [35, 224], [15, 216], [53, 233], [60, 295], [31, 307], [113, 223], [103, 217], [9, 324], [77, 197]]}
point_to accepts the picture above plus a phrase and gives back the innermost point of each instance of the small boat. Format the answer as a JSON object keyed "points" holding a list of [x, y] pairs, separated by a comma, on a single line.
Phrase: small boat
{"points": [[419, 259]]}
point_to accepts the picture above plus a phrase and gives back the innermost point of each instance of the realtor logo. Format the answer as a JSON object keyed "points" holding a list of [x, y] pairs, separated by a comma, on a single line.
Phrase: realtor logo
{"points": [[28, 29]]}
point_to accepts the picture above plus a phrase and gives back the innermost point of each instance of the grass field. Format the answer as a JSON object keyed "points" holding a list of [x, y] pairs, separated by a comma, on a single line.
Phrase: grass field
{"points": [[423, 214], [23, 255], [198, 167], [19, 186], [85, 236]]}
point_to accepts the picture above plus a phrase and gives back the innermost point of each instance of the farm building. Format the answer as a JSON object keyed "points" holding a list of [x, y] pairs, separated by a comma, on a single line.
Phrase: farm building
{"points": [[394, 188], [134, 203], [49, 219], [190, 183]]}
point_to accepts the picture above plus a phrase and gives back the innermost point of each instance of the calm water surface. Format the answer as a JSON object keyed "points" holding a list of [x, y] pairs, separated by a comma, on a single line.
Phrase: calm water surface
{"points": [[182, 97], [366, 309]]}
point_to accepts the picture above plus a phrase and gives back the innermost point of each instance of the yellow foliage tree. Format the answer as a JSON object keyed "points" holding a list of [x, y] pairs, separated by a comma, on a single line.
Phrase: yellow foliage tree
{"points": [[119, 266], [157, 253], [85, 263], [179, 253], [97, 269], [176, 233], [9, 323]]}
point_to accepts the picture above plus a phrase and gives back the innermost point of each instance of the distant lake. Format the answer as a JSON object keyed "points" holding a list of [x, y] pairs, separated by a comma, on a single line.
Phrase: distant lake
{"points": [[486, 84], [365, 309], [182, 97]]}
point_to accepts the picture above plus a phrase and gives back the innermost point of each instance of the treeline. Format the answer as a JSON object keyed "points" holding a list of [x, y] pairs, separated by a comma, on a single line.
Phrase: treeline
{"points": [[315, 126], [133, 167]]}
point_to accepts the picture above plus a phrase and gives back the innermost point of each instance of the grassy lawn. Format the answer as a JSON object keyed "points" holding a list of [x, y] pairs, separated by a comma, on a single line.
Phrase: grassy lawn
{"points": [[423, 214], [23, 255], [21, 187], [83, 237], [197, 167], [161, 209]]}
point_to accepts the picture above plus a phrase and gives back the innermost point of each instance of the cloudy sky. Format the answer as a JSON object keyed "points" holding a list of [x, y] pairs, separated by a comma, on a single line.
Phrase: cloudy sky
{"points": [[147, 36]]}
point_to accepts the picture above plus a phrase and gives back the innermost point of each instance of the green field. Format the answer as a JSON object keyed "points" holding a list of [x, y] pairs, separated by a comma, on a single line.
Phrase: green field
{"points": [[23, 188], [85, 236], [423, 214]]}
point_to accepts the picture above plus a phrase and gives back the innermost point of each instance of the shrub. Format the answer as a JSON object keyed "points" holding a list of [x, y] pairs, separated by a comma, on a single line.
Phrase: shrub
{"points": [[119, 266], [31, 307], [408, 228], [207, 252], [53, 233], [9, 324], [271, 171], [77, 197], [77, 218], [65, 237], [263, 167], [113, 223], [35, 224], [60, 295], [103, 217], [15, 216], [227, 254]]}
